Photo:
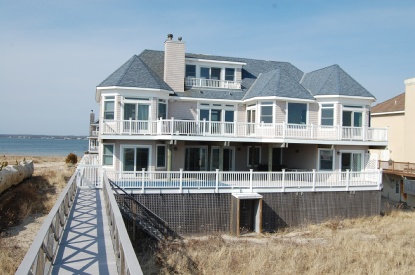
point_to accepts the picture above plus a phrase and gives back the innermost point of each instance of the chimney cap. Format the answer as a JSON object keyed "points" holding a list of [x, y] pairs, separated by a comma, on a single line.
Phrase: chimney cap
{"points": [[170, 36], [180, 38]]}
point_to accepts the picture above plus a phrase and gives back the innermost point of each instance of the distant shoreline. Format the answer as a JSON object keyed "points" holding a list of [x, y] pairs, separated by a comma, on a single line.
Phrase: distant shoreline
{"points": [[44, 136]]}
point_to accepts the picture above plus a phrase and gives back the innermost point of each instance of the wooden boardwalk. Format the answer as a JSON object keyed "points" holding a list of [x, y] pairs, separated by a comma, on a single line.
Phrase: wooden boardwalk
{"points": [[86, 246]]}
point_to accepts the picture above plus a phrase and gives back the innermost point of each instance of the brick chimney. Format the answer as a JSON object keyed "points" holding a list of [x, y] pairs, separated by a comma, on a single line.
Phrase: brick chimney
{"points": [[174, 64]]}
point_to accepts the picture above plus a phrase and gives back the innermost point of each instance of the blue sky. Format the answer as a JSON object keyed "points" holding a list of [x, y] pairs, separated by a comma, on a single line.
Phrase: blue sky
{"points": [[54, 53]]}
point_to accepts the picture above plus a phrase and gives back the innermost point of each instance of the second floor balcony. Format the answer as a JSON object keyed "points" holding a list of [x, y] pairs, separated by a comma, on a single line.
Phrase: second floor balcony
{"points": [[212, 83], [243, 130]]}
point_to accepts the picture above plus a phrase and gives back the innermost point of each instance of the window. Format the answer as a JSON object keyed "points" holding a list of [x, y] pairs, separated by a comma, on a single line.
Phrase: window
{"points": [[397, 188], [108, 154], [254, 156], [162, 109], [195, 159], [161, 156], [266, 112], [191, 71], [297, 113], [230, 74], [326, 159], [327, 114], [210, 73], [136, 158], [352, 116], [109, 107]]}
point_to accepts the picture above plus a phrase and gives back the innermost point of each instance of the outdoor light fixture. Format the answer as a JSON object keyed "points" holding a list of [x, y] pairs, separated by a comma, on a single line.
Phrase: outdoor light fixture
{"points": [[175, 148]]}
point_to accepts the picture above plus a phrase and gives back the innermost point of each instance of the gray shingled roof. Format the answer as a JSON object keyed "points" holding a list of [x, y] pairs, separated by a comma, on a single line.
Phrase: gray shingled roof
{"points": [[333, 80], [277, 83], [259, 77], [135, 73]]}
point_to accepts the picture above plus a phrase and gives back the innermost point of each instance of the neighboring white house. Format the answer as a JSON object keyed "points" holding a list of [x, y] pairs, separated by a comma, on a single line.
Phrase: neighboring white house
{"points": [[170, 110]]}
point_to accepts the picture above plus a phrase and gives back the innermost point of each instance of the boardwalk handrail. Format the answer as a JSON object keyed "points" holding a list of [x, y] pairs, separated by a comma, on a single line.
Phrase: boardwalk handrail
{"points": [[127, 262], [144, 215], [39, 257]]}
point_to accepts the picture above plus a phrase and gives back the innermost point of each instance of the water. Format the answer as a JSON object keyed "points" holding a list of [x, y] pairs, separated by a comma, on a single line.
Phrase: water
{"points": [[42, 146]]}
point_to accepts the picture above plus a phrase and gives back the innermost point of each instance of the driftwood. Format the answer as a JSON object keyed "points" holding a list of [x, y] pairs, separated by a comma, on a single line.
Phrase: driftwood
{"points": [[14, 174]]}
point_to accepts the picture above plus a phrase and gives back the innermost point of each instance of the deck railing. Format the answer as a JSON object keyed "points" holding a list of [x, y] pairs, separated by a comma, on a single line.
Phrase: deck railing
{"points": [[212, 83], [246, 181], [398, 167], [175, 127]]}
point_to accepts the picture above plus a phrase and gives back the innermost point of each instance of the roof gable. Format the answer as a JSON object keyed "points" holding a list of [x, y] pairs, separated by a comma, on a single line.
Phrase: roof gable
{"points": [[333, 80], [135, 73]]}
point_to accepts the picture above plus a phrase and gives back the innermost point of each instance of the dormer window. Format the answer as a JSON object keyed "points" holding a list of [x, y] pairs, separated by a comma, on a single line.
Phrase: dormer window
{"points": [[190, 71], [213, 74]]}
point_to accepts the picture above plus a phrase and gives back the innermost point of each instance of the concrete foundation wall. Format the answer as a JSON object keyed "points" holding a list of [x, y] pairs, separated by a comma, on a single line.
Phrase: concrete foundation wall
{"points": [[208, 213]]}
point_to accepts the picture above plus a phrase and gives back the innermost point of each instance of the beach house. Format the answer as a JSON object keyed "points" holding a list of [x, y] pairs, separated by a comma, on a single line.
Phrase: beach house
{"points": [[241, 126]]}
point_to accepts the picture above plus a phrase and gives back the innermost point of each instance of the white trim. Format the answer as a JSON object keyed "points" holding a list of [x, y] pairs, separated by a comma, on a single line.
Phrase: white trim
{"points": [[345, 96], [409, 81], [196, 60], [387, 113], [277, 98]]}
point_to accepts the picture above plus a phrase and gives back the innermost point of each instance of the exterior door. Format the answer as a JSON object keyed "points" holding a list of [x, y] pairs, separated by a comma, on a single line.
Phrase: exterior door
{"points": [[195, 159], [228, 159], [352, 161]]}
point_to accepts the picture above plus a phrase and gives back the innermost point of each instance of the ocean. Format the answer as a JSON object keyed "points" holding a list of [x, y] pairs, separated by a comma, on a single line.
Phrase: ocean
{"points": [[35, 146]]}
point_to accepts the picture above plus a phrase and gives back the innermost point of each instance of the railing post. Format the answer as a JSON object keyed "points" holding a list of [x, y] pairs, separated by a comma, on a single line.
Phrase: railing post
{"points": [[130, 125], [347, 179], [380, 179], [172, 126], [314, 180], [235, 125], [142, 179], [251, 173], [217, 181], [204, 127], [284, 128], [283, 180], [312, 131], [364, 134], [181, 181]]}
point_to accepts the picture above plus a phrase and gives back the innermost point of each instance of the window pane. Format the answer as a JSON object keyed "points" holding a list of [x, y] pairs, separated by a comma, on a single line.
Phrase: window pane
{"points": [[128, 159], [357, 119], [230, 74], [129, 111], [297, 113], [215, 73], [161, 156], [229, 116], [107, 160], [141, 159], [108, 149], [143, 112], [162, 111], [266, 114], [326, 160], [327, 117], [190, 70], [109, 110], [204, 73], [347, 118], [215, 115], [204, 114]]}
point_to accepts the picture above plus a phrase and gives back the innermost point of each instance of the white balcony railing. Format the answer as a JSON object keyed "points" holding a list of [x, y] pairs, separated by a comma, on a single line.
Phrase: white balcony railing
{"points": [[176, 127], [212, 83], [247, 181]]}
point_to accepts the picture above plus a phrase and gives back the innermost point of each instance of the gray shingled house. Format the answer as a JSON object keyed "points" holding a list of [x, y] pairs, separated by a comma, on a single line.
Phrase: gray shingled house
{"points": [[172, 122]]}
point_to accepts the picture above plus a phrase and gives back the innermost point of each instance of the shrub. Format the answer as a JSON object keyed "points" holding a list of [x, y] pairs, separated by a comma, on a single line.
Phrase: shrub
{"points": [[71, 159]]}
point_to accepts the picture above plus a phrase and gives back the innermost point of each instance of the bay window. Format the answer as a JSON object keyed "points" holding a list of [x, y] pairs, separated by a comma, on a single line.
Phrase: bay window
{"points": [[327, 114], [297, 113], [109, 103]]}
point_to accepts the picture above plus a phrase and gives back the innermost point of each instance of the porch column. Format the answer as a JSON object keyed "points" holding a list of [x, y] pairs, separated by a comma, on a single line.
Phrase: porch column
{"points": [[270, 158], [221, 158], [169, 157]]}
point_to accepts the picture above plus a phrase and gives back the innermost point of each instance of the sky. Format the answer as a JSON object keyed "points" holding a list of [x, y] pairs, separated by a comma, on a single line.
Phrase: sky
{"points": [[53, 54]]}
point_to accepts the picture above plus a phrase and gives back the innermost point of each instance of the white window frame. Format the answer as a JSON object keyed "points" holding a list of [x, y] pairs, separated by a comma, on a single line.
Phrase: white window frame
{"points": [[165, 155], [267, 104], [108, 98], [361, 152], [325, 107], [333, 160], [113, 154], [126, 146]]}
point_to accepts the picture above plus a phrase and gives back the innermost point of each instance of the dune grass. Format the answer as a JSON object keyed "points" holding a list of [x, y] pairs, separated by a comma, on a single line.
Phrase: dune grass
{"points": [[373, 245], [25, 203]]}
